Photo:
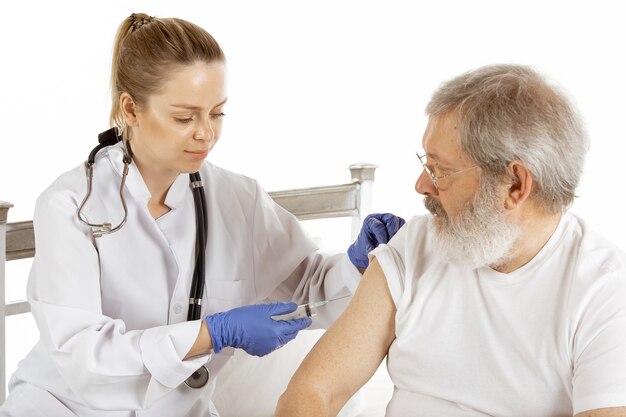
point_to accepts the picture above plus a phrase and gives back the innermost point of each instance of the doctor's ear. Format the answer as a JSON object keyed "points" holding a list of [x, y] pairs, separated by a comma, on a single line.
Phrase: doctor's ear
{"points": [[129, 109]]}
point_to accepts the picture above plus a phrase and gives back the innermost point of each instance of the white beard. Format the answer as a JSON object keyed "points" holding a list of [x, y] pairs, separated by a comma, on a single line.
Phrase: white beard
{"points": [[479, 236]]}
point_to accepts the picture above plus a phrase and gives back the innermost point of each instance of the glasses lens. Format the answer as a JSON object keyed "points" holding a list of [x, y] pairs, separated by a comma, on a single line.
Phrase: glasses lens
{"points": [[422, 159]]}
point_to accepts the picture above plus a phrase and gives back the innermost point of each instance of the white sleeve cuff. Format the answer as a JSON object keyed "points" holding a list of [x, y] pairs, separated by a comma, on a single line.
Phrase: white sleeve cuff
{"points": [[163, 349]]}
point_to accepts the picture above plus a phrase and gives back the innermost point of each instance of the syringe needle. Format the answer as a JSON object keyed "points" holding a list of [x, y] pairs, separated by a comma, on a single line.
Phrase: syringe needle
{"points": [[339, 298], [306, 310]]}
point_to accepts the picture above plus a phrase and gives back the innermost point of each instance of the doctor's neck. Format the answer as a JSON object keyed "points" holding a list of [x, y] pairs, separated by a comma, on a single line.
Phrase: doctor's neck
{"points": [[158, 182]]}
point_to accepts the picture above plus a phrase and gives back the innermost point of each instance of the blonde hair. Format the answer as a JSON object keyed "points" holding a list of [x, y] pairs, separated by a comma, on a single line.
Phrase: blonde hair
{"points": [[511, 113], [146, 50]]}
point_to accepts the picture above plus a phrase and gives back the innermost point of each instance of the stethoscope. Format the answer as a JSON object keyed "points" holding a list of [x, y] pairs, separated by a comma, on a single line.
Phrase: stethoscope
{"points": [[110, 137]]}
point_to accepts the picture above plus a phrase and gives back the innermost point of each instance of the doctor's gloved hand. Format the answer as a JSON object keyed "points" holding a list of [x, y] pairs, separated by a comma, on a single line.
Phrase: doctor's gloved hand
{"points": [[252, 328], [376, 229]]}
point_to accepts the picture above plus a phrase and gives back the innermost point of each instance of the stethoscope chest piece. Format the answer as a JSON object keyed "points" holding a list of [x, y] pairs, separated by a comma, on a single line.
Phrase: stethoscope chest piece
{"points": [[199, 378]]}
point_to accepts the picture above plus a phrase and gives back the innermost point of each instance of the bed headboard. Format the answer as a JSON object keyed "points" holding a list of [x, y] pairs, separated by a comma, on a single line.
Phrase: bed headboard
{"points": [[353, 199]]}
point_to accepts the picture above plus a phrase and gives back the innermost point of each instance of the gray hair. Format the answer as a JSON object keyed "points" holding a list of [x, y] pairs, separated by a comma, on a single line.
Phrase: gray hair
{"points": [[510, 113]]}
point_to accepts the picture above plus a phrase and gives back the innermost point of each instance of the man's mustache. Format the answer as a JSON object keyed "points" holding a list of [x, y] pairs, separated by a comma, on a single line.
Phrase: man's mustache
{"points": [[434, 207]]}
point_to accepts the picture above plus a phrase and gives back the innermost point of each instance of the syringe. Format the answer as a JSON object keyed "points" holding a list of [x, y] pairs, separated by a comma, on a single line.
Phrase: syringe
{"points": [[305, 310]]}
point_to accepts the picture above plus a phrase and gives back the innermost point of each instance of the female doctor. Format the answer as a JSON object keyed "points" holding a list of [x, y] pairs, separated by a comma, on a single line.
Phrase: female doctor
{"points": [[112, 302]]}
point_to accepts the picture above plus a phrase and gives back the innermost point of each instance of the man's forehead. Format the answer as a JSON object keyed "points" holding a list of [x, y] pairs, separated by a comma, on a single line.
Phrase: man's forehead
{"points": [[441, 139]]}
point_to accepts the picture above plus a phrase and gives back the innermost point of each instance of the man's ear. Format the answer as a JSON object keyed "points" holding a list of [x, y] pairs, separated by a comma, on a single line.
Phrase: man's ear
{"points": [[521, 185], [129, 109]]}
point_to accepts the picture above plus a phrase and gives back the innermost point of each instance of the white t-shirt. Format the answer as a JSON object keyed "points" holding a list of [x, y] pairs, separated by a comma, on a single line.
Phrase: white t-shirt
{"points": [[548, 339]]}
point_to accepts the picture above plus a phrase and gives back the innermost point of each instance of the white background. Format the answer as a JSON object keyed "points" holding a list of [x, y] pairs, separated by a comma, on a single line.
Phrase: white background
{"points": [[313, 87]]}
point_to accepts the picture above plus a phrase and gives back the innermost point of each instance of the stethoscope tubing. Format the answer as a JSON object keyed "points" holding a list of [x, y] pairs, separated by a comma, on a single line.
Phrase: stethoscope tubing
{"points": [[201, 376], [197, 284]]}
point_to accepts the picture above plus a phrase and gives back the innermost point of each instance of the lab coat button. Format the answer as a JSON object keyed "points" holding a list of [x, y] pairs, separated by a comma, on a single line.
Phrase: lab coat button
{"points": [[178, 308]]}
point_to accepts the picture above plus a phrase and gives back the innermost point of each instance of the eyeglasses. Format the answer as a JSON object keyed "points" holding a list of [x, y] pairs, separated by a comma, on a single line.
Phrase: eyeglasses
{"points": [[439, 181]]}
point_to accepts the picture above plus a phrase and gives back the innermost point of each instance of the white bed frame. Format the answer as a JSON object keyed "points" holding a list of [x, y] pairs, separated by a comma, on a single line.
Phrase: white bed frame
{"points": [[17, 240]]}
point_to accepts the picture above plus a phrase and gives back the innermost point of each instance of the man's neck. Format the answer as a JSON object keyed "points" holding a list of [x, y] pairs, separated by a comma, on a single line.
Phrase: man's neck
{"points": [[536, 230]]}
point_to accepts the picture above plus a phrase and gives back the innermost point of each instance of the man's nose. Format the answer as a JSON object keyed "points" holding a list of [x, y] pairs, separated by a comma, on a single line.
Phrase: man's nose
{"points": [[424, 185]]}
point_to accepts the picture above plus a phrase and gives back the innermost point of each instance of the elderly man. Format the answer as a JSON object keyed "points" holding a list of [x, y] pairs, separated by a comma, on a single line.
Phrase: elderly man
{"points": [[501, 302]]}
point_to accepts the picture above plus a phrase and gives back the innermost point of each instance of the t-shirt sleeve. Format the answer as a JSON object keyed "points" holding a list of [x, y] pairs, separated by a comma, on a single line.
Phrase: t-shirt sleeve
{"points": [[391, 257], [599, 351]]}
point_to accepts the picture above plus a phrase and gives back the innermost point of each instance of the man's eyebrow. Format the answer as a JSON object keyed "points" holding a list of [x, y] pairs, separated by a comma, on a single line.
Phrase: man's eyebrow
{"points": [[433, 155], [196, 108], [439, 159]]}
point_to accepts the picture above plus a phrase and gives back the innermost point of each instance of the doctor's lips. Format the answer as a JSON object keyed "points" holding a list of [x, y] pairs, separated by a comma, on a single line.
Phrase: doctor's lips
{"points": [[198, 154], [434, 207]]}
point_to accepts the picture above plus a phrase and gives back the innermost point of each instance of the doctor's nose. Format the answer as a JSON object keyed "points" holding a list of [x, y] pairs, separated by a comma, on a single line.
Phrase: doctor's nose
{"points": [[204, 131]]}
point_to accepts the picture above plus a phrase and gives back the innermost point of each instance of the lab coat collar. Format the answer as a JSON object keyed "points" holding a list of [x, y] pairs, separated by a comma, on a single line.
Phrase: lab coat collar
{"points": [[137, 187], [176, 195]]}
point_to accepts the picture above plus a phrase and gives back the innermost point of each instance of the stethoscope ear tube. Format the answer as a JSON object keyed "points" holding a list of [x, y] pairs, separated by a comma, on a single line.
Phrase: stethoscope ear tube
{"points": [[107, 138]]}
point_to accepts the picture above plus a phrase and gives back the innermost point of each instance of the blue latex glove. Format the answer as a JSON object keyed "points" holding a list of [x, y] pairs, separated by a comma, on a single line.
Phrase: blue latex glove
{"points": [[252, 329], [377, 229]]}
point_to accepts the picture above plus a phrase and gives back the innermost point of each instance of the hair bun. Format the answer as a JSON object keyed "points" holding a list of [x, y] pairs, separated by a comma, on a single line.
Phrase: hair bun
{"points": [[137, 20]]}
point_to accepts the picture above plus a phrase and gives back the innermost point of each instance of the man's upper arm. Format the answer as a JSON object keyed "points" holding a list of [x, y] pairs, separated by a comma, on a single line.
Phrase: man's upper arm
{"points": [[348, 354], [604, 412]]}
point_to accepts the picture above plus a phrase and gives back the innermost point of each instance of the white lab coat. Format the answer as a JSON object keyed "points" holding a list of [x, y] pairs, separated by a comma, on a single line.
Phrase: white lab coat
{"points": [[112, 311]]}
